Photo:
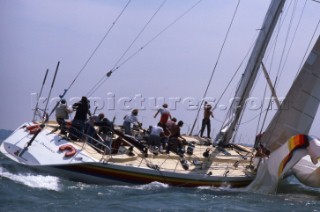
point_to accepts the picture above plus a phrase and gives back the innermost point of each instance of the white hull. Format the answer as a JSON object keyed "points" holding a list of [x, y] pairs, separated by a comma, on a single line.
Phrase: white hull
{"points": [[88, 165]]}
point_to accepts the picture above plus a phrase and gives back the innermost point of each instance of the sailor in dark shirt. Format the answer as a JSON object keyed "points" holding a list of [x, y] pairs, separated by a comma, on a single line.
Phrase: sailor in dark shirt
{"points": [[105, 126], [82, 109], [78, 123]]}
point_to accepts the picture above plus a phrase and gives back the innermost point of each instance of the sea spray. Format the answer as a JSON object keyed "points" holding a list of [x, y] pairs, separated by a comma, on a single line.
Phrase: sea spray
{"points": [[33, 181]]}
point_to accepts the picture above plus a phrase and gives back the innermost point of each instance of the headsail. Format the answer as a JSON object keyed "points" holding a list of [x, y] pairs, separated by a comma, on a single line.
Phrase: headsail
{"points": [[250, 72], [280, 161], [300, 106]]}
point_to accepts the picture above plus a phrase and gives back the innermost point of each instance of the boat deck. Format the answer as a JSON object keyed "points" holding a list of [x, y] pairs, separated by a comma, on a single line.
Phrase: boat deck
{"points": [[221, 162]]}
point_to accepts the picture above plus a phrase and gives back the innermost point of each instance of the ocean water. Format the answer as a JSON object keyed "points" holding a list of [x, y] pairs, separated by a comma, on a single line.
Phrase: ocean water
{"points": [[23, 189]]}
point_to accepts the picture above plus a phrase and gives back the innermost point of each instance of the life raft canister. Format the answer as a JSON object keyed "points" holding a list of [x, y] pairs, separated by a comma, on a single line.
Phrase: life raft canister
{"points": [[70, 150], [33, 128]]}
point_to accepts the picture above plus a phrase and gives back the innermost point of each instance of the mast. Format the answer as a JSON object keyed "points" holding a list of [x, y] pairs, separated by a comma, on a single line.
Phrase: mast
{"points": [[250, 73]]}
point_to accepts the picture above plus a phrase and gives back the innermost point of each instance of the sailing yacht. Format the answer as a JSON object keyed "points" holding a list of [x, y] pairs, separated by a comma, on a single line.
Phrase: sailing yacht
{"points": [[122, 159]]}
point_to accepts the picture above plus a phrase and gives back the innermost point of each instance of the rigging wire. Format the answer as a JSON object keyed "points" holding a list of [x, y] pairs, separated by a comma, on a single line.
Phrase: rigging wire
{"points": [[38, 97], [143, 29], [275, 40], [261, 110], [275, 83], [305, 54], [278, 73], [285, 62], [268, 109], [238, 125], [92, 54], [272, 53], [317, 26], [215, 66], [312, 37], [280, 70], [97, 85], [233, 76], [239, 115], [108, 74], [294, 35], [266, 86], [52, 84], [95, 50]]}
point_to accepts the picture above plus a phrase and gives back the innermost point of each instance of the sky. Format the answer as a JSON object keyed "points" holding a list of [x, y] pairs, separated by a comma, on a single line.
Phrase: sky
{"points": [[167, 60]]}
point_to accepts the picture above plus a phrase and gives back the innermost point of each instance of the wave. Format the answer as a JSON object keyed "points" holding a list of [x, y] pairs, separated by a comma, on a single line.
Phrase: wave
{"points": [[146, 187], [33, 181], [4, 134]]}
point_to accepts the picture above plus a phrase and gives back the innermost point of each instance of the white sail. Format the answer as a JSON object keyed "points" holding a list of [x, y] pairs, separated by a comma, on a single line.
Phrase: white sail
{"points": [[250, 73], [300, 106], [273, 168], [307, 172]]}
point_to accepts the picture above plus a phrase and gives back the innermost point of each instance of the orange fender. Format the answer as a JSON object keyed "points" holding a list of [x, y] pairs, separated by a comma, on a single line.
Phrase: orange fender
{"points": [[71, 151]]}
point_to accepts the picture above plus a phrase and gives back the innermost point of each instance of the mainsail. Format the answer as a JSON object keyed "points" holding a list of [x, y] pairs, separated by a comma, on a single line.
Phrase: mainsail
{"points": [[300, 106], [250, 72]]}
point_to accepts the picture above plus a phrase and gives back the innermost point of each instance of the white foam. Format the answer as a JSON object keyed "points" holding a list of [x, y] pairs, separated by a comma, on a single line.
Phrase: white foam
{"points": [[33, 181], [81, 186], [150, 186]]}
